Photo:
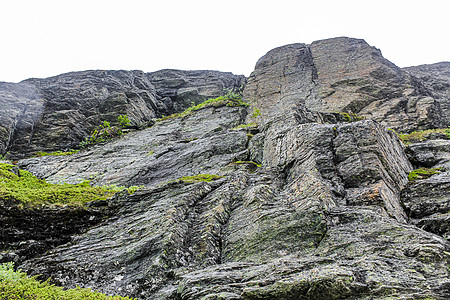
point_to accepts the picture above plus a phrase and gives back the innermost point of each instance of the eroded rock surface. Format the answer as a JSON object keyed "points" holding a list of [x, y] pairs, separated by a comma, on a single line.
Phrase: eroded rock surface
{"points": [[310, 205], [57, 113], [436, 78]]}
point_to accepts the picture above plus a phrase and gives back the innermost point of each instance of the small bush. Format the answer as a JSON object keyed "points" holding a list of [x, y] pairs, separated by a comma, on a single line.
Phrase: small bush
{"points": [[17, 285]]}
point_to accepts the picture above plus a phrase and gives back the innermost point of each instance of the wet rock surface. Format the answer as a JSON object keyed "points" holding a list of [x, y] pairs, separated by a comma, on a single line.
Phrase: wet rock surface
{"points": [[310, 202]]}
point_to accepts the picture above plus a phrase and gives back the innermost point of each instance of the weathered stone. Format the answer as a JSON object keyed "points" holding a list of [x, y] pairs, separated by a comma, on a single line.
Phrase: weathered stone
{"points": [[436, 78], [57, 113], [329, 214]]}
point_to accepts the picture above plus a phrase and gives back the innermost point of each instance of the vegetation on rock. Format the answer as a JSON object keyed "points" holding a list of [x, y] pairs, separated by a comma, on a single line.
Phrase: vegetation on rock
{"points": [[17, 285], [21, 186], [198, 178], [351, 117], [422, 173], [105, 132], [419, 136], [231, 99], [56, 153]]}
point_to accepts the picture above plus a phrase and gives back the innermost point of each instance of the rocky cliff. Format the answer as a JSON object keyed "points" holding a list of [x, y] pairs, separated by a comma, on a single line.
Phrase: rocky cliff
{"points": [[304, 193]]}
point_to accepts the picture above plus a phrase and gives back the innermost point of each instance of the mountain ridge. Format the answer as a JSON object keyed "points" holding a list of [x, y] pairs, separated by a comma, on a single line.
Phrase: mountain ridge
{"points": [[302, 190]]}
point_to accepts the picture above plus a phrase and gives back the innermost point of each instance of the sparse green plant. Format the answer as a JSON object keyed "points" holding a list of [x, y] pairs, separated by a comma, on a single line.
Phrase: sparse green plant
{"points": [[17, 285], [256, 113], [124, 121], [134, 188], [102, 133]]}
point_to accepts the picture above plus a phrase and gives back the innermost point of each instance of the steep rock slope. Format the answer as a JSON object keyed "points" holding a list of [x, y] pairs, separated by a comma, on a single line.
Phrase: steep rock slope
{"points": [[323, 217], [436, 78], [341, 75], [57, 113]]}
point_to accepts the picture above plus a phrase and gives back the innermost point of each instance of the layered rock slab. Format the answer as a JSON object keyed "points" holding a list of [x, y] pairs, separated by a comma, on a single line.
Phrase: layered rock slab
{"points": [[57, 113], [340, 75]]}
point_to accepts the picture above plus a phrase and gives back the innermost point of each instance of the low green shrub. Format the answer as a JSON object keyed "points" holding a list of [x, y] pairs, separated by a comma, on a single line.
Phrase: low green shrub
{"points": [[17, 285], [22, 187], [422, 173]]}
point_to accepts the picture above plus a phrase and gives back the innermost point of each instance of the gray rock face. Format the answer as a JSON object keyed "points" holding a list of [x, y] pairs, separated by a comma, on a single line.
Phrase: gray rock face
{"points": [[184, 88], [171, 149], [57, 113], [436, 78], [329, 214], [340, 75]]}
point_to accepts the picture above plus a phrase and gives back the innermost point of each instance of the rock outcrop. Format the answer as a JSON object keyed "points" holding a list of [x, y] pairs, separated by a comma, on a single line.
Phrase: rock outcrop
{"points": [[307, 201], [341, 75], [57, 113], [436, 78]]}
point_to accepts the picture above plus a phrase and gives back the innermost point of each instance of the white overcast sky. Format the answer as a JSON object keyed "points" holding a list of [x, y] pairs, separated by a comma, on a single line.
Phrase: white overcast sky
{"points": [[42, 38]]}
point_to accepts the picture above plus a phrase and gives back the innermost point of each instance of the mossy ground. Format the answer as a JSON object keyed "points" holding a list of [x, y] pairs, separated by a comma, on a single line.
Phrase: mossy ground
{"points": [[17, 285], [21, 187]]}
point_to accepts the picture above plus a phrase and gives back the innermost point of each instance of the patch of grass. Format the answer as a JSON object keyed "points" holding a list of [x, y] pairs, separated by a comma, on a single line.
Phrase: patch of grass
{"points": [[230, 99], [422, 135], [56, 153], [17, 285], [20, 186], [422, 173], [198, 178]]}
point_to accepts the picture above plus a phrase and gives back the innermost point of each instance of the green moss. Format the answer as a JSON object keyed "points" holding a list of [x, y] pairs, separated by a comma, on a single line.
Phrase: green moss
{"points": [[25, 189], [351, 117], [56, 153], [422, 173], [419, 136], [242, 126], [17, 285], [240, 162], [230, 99], [198, 178]]}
